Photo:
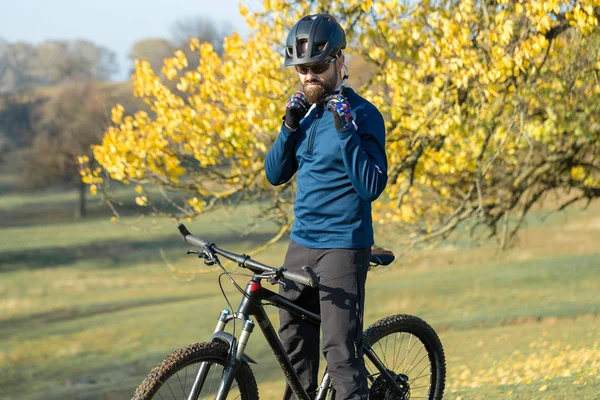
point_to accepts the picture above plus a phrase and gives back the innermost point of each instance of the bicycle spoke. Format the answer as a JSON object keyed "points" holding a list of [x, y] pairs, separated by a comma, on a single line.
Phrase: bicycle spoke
{"points": [[181, 384], [406, 355], [178, 386], [383, 350], [420, 377], [418, 387], [185, 383], [403, 353], [411, 366], [211, 380], [395, 341], [170, 390], [397, 352], [421, 372]]}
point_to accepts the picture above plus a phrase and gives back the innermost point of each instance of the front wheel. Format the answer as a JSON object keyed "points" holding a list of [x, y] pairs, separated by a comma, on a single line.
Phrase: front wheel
{"points": [[174, 377], [412, 354]]}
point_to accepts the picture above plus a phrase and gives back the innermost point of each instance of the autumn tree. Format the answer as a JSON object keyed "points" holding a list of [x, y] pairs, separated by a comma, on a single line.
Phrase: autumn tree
{"points": [[70, 122], [25, 66], [202, 28], [153, 50], [490, 106], [63, 60]]}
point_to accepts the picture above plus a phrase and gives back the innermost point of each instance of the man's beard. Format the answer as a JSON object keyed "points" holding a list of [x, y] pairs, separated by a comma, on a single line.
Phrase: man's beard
{"points": [[316, 94]]}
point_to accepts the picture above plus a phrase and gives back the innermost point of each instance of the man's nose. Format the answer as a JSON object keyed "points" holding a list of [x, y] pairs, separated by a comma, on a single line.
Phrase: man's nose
{"points": [[310, 75]]}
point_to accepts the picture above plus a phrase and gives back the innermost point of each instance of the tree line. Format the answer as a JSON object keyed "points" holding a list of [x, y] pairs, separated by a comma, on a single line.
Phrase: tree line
{"points": [[56, 96]]}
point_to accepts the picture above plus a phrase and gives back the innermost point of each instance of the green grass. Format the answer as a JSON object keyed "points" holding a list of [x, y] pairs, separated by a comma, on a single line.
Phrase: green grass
{"points": [[88, 307]]}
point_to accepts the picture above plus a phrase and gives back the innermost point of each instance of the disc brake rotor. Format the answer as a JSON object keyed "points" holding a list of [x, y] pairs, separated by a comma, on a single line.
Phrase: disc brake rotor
{"points": [[382, 390]]}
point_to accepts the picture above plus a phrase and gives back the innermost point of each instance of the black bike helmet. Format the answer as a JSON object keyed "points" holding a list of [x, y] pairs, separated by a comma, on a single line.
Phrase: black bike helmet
{"points": [[313, 39]]}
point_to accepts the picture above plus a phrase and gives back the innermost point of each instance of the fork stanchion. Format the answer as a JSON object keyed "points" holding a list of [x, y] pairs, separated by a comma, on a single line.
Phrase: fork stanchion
{"points": [[248, 328]]}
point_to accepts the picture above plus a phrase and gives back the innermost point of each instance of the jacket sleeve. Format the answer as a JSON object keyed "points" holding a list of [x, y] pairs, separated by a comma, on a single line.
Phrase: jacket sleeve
{"points": [[280, 163], [364, 157]]}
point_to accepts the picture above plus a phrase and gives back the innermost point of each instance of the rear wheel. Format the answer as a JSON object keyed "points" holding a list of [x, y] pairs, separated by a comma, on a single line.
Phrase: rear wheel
{"points": [[174, 377], [413, 355]]}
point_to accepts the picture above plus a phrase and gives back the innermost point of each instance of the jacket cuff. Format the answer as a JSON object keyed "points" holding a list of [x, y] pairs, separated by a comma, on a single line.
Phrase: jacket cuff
{"points": [[285, 130], [347, 132]]}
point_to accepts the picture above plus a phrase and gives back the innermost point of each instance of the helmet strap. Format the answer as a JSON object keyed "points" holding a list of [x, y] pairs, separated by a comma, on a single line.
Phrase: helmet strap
{"points": [[346, 72]]}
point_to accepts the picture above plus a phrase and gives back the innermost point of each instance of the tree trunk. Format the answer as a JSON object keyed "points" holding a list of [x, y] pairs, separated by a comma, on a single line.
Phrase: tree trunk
{"points": [[81, 211]]}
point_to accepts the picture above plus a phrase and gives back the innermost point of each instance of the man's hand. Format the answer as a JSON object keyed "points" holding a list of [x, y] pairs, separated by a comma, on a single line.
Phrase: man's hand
{"points": [[295, 109], [340, 108]]}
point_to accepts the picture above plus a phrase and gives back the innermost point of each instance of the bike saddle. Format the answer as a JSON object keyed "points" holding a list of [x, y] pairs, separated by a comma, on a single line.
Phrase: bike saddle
{"points": [[381, 257]]}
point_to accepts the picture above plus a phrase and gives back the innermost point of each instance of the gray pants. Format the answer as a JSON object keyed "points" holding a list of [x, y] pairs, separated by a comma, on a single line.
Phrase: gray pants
{"points": [[340, 302]]}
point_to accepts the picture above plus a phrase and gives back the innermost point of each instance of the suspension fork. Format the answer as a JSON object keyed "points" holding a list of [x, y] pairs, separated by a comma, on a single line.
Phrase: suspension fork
{"points": [[224, 317], [235, 359]]}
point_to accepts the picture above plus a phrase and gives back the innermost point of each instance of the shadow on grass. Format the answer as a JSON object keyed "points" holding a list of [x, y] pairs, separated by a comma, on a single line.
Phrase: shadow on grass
{"points": [[11, 326], [5, 188], [113, 253], [35, 215]]}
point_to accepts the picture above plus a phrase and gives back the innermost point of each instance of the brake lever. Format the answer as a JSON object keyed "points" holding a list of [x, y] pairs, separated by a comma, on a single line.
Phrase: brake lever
{"points": [[274, 281], [208, 259], [274, 278]]}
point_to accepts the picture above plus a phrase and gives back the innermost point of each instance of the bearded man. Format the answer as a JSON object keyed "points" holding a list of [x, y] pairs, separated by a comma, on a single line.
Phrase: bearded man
{"points": [[334, 140]]}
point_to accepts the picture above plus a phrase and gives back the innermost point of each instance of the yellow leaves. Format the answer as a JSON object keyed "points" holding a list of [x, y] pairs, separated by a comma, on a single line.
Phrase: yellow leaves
{"points": [[500, 17], [366, 5], [542, 363], [583, 18], [180, 61], [462, 81], [583, 175], [183, 85], [539, 43], [117, 114], [194, 43], [507, 32], [197, 204], [141, 201], [519, 8], [376, 53]]}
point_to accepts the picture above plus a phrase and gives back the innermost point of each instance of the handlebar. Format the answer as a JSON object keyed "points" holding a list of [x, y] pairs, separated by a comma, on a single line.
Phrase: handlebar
{"points": [[244, 261]]}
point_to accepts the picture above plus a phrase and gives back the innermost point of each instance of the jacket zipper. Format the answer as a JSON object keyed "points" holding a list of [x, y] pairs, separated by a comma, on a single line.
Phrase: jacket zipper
{"points": [[313, 128]]}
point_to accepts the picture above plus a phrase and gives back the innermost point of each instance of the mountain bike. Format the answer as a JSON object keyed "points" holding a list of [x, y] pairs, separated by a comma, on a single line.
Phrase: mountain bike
{"points": [[403, 354]]}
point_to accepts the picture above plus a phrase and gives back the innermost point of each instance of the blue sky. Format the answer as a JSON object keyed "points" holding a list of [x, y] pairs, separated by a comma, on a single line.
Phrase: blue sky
{"points": [[115, 24]]}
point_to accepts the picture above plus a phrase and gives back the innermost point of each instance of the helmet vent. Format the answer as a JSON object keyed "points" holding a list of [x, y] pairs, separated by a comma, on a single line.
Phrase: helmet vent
{"points": [[302, 47]]}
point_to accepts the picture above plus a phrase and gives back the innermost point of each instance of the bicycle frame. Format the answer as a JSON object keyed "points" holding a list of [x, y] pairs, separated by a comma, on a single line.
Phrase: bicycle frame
{"points": [[251, 306]]}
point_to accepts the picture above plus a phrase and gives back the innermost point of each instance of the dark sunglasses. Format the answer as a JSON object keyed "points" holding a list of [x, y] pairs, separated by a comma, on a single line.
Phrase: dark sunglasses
{"points": [[316, 69]]}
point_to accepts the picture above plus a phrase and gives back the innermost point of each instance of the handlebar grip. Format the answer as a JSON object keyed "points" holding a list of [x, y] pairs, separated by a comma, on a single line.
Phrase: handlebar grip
{"points": [[308, 279], [188, 237]]}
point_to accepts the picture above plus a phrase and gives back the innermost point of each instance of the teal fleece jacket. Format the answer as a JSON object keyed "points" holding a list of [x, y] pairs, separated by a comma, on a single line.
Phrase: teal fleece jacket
{"points": [[339, 174]]}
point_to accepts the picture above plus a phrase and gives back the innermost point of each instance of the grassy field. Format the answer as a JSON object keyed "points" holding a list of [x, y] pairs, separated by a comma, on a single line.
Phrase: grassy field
{"points": [[88, 307]]}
